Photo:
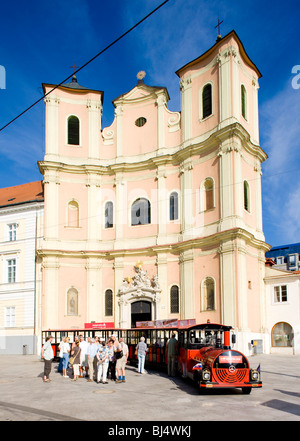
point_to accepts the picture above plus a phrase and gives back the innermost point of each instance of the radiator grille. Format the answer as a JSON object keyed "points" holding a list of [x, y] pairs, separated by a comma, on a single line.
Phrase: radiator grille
{"points": [[224, 376]]}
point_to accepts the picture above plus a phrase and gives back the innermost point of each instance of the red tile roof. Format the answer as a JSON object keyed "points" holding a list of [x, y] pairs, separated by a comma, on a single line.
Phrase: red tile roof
{"points": [[20, 194]]}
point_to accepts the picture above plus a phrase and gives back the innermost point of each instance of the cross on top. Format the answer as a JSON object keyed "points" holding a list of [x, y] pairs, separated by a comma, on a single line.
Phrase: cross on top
{"points": [[218, 26], [74, 67]]}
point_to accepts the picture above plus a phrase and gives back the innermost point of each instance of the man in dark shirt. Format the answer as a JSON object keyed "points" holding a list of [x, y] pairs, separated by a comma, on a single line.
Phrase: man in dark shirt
{"points": [[172, 353]]}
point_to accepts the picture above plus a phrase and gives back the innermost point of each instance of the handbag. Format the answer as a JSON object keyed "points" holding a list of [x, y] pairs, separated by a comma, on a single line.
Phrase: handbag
{"points": [[71, 360], [118, 354]]}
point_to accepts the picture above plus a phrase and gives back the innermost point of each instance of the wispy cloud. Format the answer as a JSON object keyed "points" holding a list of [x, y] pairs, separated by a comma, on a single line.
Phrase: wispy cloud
{"points": [[280, 138]]}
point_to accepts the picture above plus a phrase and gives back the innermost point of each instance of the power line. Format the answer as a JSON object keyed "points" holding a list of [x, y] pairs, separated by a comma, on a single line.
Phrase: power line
{"points": [[88, 62]]}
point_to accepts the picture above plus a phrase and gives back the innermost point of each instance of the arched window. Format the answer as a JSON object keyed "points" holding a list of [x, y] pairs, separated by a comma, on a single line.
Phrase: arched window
{"points": [[206, 101], [244, 101], [207, 197], [73, 130], [208, 294], [174, 300], [282, 335], [108, 302], [73, 214], [174, 206], [246, 196], [72, 302], [141, 212], [109, 215]]}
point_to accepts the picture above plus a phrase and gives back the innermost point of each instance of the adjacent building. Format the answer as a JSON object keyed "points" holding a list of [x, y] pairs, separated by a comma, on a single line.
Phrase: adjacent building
{"points": [[21, 220], [158, 216], [285, 257]]}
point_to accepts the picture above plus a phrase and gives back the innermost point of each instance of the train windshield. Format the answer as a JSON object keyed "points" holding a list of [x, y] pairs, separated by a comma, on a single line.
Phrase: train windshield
{"points": [[205, 337]]}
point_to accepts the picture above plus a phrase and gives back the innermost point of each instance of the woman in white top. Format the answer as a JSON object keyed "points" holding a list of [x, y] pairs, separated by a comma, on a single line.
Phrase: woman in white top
{"points": [[65, 347]]}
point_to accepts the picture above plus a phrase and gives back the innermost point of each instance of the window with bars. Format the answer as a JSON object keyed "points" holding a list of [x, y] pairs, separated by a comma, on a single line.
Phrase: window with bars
{"points": [[206, 101], [73, 130], [11, 271], [140, 122], [246, 196], [108, 302], [174, 300]]}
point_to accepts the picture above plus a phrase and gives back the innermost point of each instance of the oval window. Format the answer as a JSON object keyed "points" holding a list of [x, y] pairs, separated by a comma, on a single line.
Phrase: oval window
{"points": [[140, 122]]}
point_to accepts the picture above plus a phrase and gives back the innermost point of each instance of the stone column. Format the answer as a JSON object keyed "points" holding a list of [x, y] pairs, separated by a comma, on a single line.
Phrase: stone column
{"points": [[94, 289], [50, 267], [187, 294], [94, 109]]}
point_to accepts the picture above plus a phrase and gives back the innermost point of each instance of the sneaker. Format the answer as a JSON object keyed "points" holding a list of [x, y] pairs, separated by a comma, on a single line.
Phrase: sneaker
{"points": [[118, 381]]}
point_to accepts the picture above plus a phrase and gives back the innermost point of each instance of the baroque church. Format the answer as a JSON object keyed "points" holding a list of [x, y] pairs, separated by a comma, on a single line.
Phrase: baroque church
{"points": [[158, 216]]}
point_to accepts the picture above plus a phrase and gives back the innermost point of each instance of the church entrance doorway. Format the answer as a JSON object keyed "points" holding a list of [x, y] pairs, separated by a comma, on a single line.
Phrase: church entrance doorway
{"points": [[140, 312]]}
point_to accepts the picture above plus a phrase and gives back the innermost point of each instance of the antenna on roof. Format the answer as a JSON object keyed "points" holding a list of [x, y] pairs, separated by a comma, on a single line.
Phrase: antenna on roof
{"points": [[140, 76]]}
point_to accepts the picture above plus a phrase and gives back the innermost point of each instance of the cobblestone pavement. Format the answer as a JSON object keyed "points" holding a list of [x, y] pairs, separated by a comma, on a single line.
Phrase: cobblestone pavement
{"points": [[149, 397]]}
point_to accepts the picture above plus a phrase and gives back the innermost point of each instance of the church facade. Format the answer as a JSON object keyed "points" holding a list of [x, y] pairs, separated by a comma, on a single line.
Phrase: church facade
{"points": [[158, 216]]}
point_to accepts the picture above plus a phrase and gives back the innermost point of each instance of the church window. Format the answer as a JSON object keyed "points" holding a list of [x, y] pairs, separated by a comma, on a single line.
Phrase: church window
{"points": [[208, 294], [246, 196], [174, 206], [206, 101], [108, 302], [72, 302], [73, 214], [73, 130], [140, 122], [174, 300], [109, 215], [207, 195], [141, 212], [244, 101]]}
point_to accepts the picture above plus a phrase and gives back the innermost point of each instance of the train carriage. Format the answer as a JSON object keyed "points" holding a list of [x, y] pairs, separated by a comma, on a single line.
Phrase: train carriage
{"points": [[204, 353]]}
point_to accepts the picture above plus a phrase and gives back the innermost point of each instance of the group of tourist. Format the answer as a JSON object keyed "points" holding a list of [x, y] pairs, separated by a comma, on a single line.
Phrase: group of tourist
{"points": [[93, 358]]}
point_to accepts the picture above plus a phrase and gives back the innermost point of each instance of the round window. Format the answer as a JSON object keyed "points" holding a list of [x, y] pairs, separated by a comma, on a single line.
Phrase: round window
{"points": [[140, 122]]}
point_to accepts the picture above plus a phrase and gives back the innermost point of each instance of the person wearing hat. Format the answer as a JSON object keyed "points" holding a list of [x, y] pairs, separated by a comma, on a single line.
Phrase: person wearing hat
{"points": [[47, 355], [91, 354]]}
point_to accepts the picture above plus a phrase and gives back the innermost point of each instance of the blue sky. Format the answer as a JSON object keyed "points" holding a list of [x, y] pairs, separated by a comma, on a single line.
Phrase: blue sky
{"points": [[41, 39]]}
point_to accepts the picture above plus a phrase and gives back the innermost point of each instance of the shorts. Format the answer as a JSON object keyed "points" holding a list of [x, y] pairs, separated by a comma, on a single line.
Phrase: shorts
{"points": [[121, 362], [83, 360]]}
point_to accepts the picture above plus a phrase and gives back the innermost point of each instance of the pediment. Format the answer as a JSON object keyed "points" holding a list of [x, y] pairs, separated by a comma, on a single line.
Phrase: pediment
{"points": [[141, 92]]}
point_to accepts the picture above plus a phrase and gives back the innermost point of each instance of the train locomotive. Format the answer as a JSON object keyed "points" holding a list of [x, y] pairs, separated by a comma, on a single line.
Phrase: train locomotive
{"points": [[205, 355]]}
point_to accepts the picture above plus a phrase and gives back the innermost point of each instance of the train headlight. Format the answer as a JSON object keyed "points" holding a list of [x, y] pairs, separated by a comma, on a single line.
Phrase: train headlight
{"points": [[206, 375], [254, 375]]}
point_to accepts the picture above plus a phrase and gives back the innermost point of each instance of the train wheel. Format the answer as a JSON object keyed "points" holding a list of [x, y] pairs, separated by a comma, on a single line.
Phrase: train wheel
{"points": [[246, 390]]}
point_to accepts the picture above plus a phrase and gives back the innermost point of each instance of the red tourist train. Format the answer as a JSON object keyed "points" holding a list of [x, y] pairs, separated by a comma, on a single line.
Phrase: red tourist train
{"points": [[204, 352]]}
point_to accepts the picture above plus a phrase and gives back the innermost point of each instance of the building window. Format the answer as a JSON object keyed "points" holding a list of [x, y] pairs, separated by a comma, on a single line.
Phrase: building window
{"points": [[280, 260], [10, 317], [282, 335], [73, 130], [207, 195], [246, 196], [140, 122], [12, 232], [174, 206], [244, 101], [11, 270], [206, 101], [73, 214], [280, 294], [141, 212], [109, 215], [208, 294], [72, 302], [174, 300], [108, 302], [292, 261]]}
